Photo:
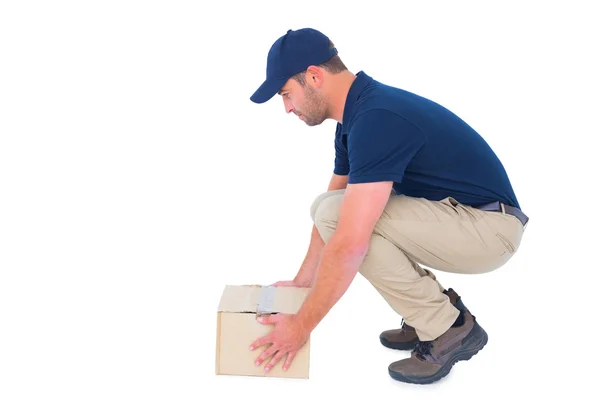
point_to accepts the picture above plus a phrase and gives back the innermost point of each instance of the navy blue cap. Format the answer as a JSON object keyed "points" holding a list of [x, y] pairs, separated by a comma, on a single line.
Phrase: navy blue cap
{"points": [[292, 53]]}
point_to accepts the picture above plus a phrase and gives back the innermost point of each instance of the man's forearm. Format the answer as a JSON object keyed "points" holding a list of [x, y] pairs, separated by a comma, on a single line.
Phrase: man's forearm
{"points": [[337, 268], [307, 272]]}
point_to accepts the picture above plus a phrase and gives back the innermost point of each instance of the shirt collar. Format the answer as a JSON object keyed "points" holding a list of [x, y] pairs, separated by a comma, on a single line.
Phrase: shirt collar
{"points": [[361, 81]]}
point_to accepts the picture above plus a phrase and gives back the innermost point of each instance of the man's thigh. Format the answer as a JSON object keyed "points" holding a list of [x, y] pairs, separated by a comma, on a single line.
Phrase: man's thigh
{"points": [[449, 236]]}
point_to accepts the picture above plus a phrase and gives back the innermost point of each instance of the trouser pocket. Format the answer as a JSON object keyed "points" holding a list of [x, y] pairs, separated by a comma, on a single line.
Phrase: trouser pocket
{"points": [[507, 243]]}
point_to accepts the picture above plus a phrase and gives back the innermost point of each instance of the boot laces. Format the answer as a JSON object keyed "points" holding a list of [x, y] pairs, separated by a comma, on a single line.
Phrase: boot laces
{"points": [[423, 349]]}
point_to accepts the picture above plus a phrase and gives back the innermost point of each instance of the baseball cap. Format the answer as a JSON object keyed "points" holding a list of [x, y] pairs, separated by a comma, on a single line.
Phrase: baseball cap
{"points": [[292, 53]]}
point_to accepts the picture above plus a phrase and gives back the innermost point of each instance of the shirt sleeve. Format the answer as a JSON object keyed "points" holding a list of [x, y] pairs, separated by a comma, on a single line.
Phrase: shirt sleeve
{"points": [[381, 144], [341, 165]]}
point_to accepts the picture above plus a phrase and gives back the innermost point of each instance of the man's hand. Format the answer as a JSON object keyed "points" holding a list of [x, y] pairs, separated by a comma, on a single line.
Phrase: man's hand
{"points": [[290, 283], [287, 338]]}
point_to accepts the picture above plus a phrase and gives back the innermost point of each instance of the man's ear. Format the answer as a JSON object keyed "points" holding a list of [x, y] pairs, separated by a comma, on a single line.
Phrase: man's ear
{"points": [[314, 76]]}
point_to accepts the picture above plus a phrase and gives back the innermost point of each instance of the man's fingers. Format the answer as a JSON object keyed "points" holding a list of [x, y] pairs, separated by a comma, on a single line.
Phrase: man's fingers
{"points": [[269, 319], [278, 356], [289, 359], [261, 342], [284, 283], [266, 354], [264, 319]]}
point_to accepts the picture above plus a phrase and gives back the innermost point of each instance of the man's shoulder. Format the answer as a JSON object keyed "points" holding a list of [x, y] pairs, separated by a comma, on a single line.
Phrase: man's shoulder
{"points": [[392, 102], [383, 127], [379, 97], [382, 106]]}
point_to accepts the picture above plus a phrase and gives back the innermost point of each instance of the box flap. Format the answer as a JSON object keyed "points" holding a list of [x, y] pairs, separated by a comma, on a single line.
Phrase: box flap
{"points": [[262, 299], [239, 298]]}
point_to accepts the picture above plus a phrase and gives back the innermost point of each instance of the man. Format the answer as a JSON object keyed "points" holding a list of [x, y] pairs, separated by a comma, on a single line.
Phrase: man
{"points": [[412, 185]]}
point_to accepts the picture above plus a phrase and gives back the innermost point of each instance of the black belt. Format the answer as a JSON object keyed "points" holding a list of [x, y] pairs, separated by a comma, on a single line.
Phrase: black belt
{"points": [[497, 206]]}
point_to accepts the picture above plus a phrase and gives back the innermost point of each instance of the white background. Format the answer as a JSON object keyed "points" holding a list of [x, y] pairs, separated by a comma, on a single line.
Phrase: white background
{"points": [[137, 180]]}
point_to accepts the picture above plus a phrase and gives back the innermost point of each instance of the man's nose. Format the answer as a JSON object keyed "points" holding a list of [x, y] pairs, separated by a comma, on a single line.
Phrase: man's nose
{"points": [[288, 105]]}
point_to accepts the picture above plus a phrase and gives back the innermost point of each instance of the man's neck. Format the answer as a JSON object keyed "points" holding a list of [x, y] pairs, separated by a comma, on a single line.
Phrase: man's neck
{"points": [[339, 93]]}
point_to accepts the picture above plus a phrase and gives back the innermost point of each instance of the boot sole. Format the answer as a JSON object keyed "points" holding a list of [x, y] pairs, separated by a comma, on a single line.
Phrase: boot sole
{"points": [[399, 345], [474, 342]]}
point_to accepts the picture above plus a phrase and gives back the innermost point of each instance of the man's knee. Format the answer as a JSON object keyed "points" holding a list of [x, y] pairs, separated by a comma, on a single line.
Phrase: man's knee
{"points": [[317, 202], [327, 214]]}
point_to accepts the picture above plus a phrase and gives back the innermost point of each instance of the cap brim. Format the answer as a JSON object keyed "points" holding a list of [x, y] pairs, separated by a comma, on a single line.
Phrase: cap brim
{"points": [[267, 90]]}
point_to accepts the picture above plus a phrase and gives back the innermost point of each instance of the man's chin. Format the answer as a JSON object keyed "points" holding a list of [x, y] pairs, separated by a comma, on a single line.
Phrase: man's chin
{"points": [[313, 122]]}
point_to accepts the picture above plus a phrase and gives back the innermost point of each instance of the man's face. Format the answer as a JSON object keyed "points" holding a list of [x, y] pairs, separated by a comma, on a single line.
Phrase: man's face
{"points": [[307, 102]]}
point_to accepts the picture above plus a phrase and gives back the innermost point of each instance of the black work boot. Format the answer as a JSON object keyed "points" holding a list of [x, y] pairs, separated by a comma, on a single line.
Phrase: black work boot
{"points": [[432, 360], [405, 338]]}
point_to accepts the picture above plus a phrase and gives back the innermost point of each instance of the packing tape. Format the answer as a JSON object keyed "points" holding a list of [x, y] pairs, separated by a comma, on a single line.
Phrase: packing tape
{"points": [[266, 300]]}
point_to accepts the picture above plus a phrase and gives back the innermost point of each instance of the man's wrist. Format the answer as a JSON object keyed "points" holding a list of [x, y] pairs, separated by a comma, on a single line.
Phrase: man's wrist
{"points": [[302, 325]]}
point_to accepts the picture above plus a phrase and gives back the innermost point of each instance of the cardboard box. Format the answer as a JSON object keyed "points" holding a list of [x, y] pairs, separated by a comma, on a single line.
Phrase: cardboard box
{"points": [[237, 328]]}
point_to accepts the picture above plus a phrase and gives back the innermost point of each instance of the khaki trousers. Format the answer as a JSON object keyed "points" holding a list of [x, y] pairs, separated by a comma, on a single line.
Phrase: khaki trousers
{"points": [[443, 235]]}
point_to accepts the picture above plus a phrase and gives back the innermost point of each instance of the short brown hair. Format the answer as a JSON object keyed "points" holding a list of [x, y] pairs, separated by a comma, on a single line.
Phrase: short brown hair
{"points": [[334, 65]]}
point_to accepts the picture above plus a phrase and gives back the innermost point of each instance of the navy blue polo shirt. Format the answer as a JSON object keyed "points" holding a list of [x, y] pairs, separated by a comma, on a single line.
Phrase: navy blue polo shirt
{"points": [[389, 134]]}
